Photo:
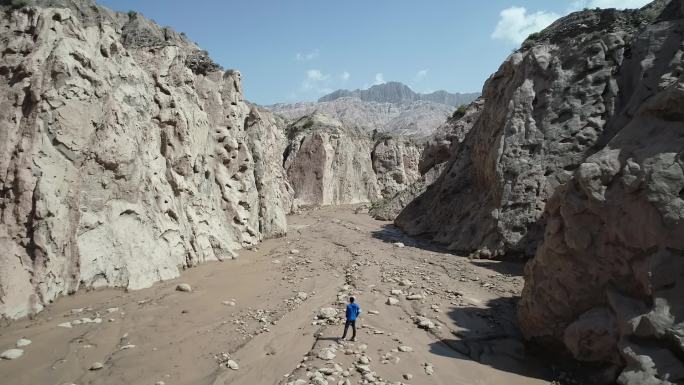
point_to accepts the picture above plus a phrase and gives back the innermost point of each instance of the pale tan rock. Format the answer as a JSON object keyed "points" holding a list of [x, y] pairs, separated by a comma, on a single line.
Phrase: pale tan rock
{"points": [[134, 156]]}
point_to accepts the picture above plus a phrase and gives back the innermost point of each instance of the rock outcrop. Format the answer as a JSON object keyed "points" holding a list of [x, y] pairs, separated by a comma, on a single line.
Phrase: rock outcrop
{"points": [[127, 154], [328, 163], [546, 110], [436, 152], [607, 281]]}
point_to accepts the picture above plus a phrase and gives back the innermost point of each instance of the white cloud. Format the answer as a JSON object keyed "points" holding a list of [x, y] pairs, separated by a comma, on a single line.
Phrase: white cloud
{"points": [[515, 24], [379, 79], [420, 75], [345, 76], [307, 56], [620, 4], [316, 81]]}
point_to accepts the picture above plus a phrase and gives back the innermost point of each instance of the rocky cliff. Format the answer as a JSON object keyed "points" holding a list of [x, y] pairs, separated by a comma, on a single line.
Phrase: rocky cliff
{"points": [[328, 163], [436, 151], [607, 281], [127, 154], [546, 109]]}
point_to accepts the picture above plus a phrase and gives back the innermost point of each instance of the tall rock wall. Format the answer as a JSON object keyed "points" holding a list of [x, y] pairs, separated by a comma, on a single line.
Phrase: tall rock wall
{"points": [[126, 154], [545, 110], [329, 163], [607, 281]]}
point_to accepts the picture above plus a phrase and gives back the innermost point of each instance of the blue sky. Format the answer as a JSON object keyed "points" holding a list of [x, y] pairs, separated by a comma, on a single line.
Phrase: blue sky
{"points": [[298, 50]]}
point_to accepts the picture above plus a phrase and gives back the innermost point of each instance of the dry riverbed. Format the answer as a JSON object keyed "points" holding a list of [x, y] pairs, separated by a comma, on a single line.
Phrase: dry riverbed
{"points": [[258, 319]]}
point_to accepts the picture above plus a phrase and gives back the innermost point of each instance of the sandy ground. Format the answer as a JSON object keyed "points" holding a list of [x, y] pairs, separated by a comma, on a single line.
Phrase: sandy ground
{"points": [[251, 311]]}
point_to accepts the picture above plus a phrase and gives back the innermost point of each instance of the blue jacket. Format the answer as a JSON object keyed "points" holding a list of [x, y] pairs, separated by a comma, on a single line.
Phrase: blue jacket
{"points": [[353, 311]]}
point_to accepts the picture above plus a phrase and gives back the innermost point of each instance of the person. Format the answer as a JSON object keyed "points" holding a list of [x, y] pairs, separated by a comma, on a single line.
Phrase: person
{"points": [[353, 311]]}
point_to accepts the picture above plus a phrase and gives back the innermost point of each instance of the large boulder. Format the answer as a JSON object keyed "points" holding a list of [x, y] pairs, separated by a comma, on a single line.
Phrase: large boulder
{"points": [[125, 155], [608, 279]]}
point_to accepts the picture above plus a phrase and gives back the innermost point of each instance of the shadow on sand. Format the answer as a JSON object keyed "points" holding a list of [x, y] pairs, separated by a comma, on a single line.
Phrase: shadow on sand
{"points": [[490, 336], [392, 234]]}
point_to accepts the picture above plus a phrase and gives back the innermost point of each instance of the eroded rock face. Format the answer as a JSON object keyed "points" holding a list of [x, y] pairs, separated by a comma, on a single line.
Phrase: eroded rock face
{"points": [[607, 281], [435, 153], [544, 111], [126, 155], [328, 163]]}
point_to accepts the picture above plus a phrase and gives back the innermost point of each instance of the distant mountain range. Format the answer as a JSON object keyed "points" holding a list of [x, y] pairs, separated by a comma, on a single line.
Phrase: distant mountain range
{"points": [[400, 93], [389, 107]]}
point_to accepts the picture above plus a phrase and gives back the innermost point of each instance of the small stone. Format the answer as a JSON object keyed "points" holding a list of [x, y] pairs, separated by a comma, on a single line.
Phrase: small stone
{"points": [[229, 303], [392, 301], [408, 376], [373, 312], [11, 354], [65, 325], [405, 349], [126, 347], [396, 292], [232, 365], [414, 297], [327, 313], [405, 282], [429, 370], [160, 383], [23, 342], [326, 354], [112, 309], [184, 287], [398, 244], [96, 366], [424, 323], [294, 251], [302, 295]]}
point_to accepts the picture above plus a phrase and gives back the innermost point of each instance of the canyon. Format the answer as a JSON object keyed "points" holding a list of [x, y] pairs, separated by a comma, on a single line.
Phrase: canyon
{"points": [[128, 156]]}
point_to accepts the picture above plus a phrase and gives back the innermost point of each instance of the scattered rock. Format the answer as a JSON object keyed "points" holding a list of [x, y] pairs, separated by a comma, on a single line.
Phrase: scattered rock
{"points": [[327, 313], [424, 323], [405, 348], [398, 244], [429, 370], [23, 342], [407, 376], [96, 366], [232, 365], [414, 297], [327, 354], [184, 287], [392, 301], [11, 354]]}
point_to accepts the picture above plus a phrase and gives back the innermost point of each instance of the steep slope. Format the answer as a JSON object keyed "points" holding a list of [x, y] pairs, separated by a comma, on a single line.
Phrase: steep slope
{"points": [[126, 155], [607, 281], [328, 163], [546, 109]]}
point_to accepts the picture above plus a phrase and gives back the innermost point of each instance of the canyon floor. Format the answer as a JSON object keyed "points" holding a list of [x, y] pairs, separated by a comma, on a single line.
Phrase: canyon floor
{"points": [[252, 311]]}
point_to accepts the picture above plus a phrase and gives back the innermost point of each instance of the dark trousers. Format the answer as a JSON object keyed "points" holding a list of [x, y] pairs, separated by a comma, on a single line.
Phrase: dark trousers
{"points": [[346, 326]]}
